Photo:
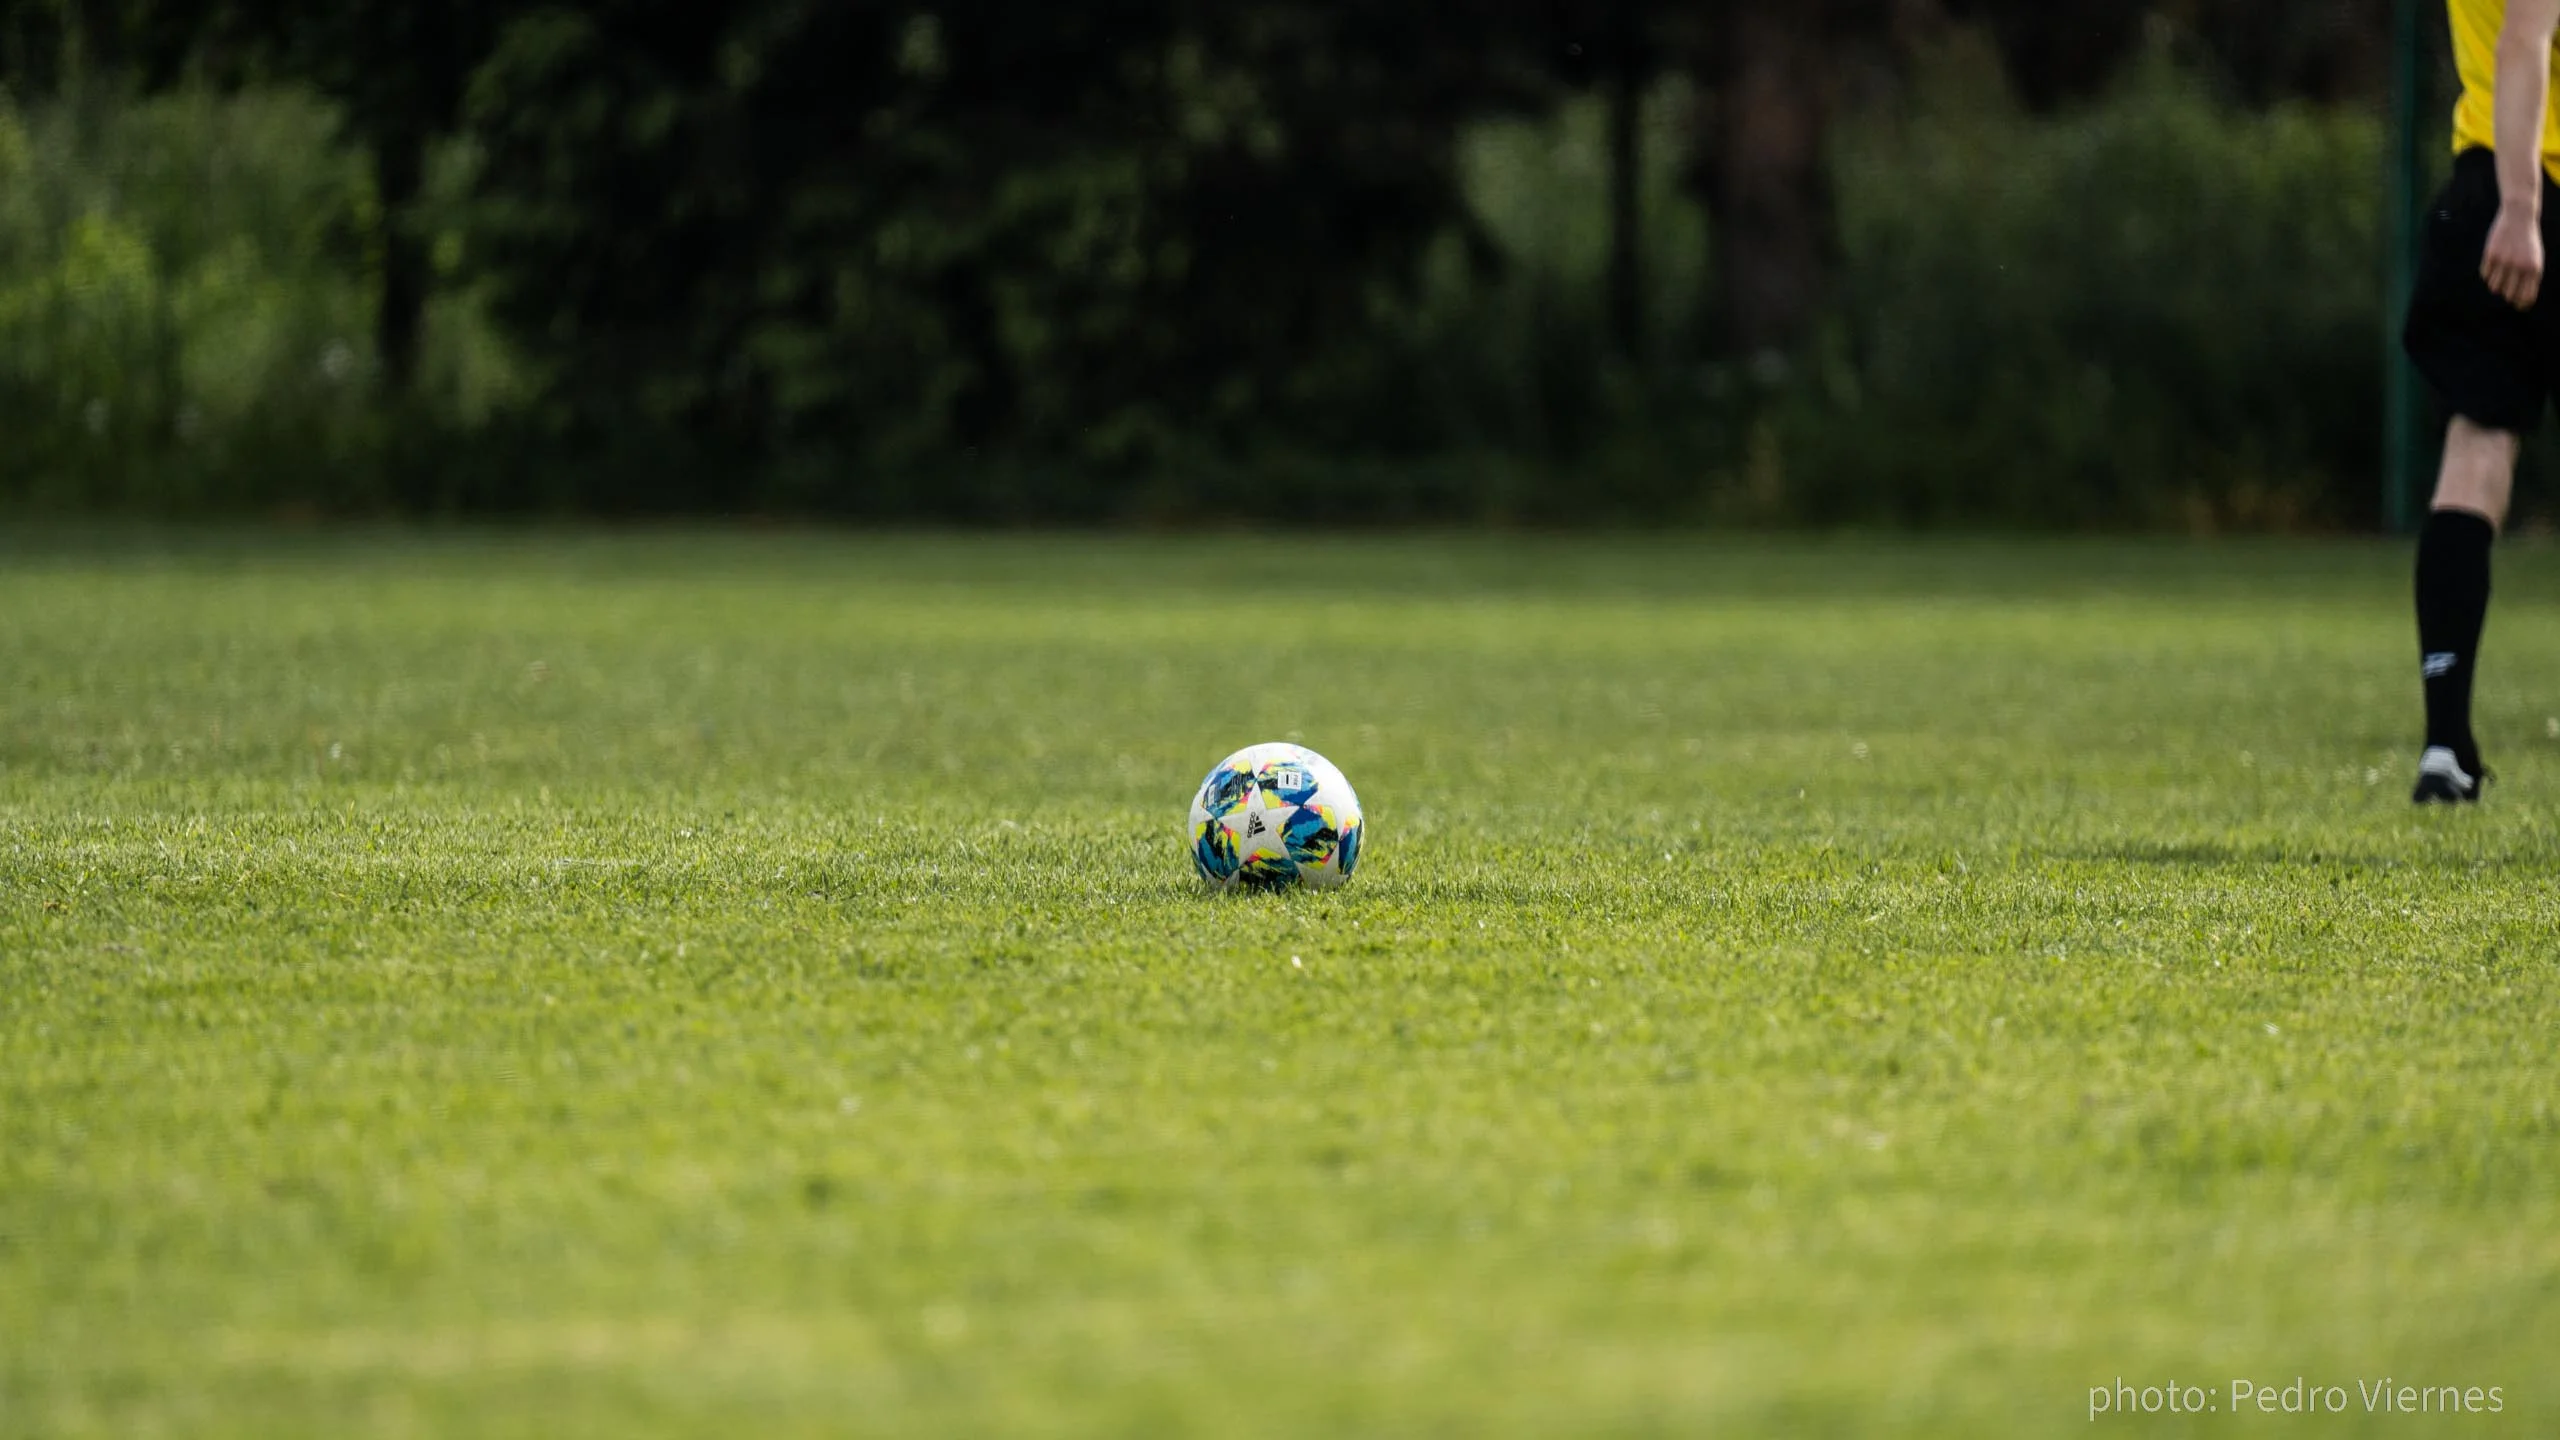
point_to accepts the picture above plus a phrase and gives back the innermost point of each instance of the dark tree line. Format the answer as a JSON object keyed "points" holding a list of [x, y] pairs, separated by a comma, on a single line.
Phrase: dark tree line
{"points": [[758, 244]]}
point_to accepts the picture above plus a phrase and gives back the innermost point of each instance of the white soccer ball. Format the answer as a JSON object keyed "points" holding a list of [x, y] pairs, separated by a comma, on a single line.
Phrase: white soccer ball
{"points": [[1274, 815]]}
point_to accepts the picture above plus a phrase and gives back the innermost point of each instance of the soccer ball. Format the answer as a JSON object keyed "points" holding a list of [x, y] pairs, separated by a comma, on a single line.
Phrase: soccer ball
{"points": [[1274, 815]]}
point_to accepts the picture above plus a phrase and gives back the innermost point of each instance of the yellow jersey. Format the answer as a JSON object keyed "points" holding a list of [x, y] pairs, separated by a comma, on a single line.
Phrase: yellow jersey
{"points": [[2475, 55]]}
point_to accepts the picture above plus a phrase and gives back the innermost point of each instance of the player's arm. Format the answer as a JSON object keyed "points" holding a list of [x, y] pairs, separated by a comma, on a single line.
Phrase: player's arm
{"points": [[2512, 262]]}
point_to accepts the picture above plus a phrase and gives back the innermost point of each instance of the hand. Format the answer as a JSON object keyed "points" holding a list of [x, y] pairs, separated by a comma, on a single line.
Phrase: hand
{"points": [[2512, 263]]}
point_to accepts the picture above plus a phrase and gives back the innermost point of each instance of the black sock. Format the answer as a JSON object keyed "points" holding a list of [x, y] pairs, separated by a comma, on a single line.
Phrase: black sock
{"points": [[2453, 601]]}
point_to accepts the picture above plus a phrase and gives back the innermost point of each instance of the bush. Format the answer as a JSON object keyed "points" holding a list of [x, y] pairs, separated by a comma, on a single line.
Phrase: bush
{"points": [[186, 316], [2158, 311], [2162, 311], [1503, 351]]}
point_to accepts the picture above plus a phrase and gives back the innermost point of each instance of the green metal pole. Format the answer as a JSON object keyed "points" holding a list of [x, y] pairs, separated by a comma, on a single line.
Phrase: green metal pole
{"points": [[2404, 451]]}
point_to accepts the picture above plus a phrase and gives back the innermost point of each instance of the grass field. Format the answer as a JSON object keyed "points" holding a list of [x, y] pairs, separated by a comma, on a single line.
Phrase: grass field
{"points": [[754, 985]]}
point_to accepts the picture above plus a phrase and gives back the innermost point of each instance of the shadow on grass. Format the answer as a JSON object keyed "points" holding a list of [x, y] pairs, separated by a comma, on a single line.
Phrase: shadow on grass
{"points": [[2209, 854]]}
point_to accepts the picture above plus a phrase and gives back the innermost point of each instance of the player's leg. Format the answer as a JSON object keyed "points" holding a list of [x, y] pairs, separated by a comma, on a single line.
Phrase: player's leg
{"points": [[2491, 364], [2453, 599]]}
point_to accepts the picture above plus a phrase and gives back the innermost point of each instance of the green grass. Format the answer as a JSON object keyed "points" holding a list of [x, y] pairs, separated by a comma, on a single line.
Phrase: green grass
{"points": [[753, 985]]}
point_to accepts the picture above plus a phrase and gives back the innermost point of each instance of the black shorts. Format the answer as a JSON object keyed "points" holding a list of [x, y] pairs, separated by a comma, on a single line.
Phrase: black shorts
{"points": [[2493, 364]]}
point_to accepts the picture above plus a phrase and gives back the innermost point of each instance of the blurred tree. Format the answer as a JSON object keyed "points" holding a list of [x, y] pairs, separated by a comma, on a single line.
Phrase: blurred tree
{"points": [[1774, 77], [2264, 49], [2326, 50], [1630, 64], [1609, 48], [997, 256], [2058, 53], [856, 241], [397, 68], [1765, 187]]}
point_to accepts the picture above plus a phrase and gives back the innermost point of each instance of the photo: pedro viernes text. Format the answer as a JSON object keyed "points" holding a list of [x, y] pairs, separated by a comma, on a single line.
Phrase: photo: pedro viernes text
{"points": [[2301, 1397]]}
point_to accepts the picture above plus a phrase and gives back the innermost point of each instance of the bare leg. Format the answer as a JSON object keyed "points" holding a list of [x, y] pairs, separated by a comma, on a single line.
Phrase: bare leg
{"points": [[2479, 473]]}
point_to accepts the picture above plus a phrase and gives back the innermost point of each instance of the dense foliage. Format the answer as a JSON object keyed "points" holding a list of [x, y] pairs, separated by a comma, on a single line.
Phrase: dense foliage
{"points": [[2156, 311], [1149, 259]]}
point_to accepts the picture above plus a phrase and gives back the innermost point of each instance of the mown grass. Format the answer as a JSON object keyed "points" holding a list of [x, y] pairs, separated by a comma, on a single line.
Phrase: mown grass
{"points": [[730, 984]]}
